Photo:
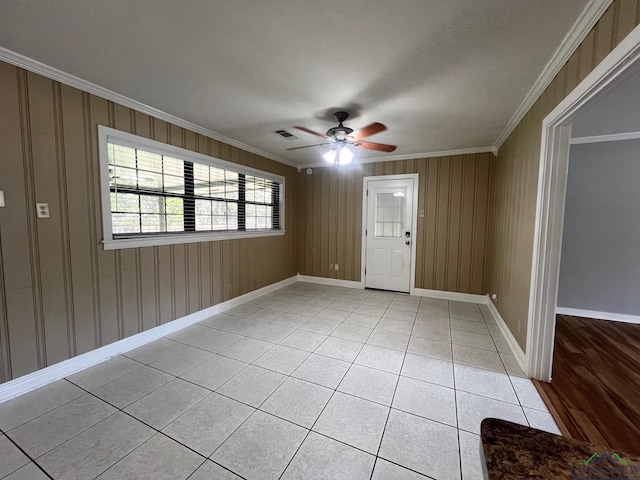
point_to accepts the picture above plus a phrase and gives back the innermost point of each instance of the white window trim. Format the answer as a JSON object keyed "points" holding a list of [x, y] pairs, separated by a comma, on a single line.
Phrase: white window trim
{"points": [[106, 135]]}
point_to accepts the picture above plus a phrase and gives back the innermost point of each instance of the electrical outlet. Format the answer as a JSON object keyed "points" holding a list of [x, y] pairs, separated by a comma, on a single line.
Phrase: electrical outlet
{"points": [[228, 288], [422, 213], [1, 198], [335, 267], [42, 210]]}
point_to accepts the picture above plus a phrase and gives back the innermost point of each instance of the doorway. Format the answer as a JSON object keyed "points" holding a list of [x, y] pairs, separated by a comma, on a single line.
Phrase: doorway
{"points": [[389, 226], [552, 188]]}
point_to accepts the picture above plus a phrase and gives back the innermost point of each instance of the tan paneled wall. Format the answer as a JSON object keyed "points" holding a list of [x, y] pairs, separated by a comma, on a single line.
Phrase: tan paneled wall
{"points": [[451, 237], [61, 294], [515, 180]]}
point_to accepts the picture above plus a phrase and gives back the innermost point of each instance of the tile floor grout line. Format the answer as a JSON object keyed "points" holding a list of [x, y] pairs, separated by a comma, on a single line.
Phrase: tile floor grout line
{"points": [[455, 391], [404, 357], [342, 321], [175, 377], [48, 411], [124, 354], [230, 435], [295, 453], [455, 402], [390, 407], [75, 435], [221, 466], [258, 408], [143, 443], [81, 432], [191, 475], [156, 430], [32, 460], [326, 356], [309, 430], [313, 425], [138, 420], [405, 468]]}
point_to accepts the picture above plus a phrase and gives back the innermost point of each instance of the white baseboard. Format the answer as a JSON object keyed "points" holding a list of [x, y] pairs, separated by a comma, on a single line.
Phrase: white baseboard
{"points": [[421, 292], [455, 296], [39, 378], [49, 374], [508, 336], [616, 317], [330, 281]]}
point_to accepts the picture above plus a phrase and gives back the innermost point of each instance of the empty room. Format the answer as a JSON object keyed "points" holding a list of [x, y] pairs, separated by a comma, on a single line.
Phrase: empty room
{"points": [[315, 240]]}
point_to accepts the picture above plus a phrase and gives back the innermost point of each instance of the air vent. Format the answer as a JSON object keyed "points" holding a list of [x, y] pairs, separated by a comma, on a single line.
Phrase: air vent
{"points": [[285, 134]]}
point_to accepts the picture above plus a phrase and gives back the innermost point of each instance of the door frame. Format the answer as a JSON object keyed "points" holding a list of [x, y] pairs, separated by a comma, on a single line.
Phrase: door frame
{"points": [[414, 224], [552, 191]]}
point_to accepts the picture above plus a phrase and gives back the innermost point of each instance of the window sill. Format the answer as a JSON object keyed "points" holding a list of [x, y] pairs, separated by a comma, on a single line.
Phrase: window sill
{"points": [[121, 243]]}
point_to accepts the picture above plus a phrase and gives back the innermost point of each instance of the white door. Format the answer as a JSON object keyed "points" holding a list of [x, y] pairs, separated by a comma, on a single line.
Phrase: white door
{"points": [[389, 234]]}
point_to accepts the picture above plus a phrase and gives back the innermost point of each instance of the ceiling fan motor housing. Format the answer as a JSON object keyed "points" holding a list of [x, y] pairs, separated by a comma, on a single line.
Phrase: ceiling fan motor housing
{"points": [[340, 132], [340, 136]]}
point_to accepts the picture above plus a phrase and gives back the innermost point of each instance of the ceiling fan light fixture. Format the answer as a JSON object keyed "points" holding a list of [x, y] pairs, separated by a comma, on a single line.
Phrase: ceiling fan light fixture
{"points": [[330, 156], [344, 156], [341, 136], [338, 155]]}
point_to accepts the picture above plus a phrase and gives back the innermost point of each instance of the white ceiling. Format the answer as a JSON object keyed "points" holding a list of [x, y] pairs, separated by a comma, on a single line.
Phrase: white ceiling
{"points": [[441, 74]]}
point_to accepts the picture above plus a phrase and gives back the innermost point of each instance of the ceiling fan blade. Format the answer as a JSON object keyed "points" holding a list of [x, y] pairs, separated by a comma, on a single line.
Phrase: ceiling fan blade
{"points": [[304, 129], [380, 147], [367, 131], [309, 146]]}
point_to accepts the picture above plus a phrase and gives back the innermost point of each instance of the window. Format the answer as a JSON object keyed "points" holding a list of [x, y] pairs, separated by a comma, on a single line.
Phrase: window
{"points": [[157, 194], [390, 214]]}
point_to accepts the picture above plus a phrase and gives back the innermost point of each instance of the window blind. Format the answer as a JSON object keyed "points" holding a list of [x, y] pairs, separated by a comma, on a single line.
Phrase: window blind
{"points": [[156, 194]]}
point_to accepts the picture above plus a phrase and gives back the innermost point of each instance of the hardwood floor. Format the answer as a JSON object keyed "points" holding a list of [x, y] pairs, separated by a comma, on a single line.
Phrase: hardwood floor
{"points": [[595, 391]]}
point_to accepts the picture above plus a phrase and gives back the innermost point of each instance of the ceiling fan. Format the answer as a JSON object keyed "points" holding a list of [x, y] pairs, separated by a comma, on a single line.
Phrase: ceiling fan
{"points": [[342, 136]]}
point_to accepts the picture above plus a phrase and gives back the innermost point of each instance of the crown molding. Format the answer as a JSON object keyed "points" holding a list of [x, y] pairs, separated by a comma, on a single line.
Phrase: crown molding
{"points": [[614, 137], [45, 70], [411, 156], [570, 43]]}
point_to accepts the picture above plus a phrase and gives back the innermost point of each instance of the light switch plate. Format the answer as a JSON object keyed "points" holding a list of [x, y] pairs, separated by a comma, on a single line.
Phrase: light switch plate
{"points": [[1, 198]]}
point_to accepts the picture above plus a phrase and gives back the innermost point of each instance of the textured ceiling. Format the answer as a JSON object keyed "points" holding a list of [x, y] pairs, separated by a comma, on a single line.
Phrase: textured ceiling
{"points": [[441, 74]]}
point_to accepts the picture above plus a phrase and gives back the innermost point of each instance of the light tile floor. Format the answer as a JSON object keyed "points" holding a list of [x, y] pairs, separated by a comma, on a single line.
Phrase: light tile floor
{"points": [[308, 382]]}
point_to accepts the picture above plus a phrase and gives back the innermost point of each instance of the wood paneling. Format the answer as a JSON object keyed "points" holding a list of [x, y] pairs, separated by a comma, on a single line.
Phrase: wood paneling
{"points": [[596, 382], [451, 237], [515, 173], [61, 293]]}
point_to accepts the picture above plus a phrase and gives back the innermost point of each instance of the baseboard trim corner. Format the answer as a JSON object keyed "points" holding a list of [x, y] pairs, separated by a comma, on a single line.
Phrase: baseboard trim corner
{"points": [[42, 377], [455, 296], [336, 282], [515, 347]]}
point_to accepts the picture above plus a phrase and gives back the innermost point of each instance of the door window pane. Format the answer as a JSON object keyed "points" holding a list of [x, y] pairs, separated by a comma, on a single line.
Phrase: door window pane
{"points": [[390, 214]]}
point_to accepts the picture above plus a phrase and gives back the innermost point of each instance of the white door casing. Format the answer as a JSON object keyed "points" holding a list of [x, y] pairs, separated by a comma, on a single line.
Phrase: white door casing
{"points": [[389, 226], [552, 187]]}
